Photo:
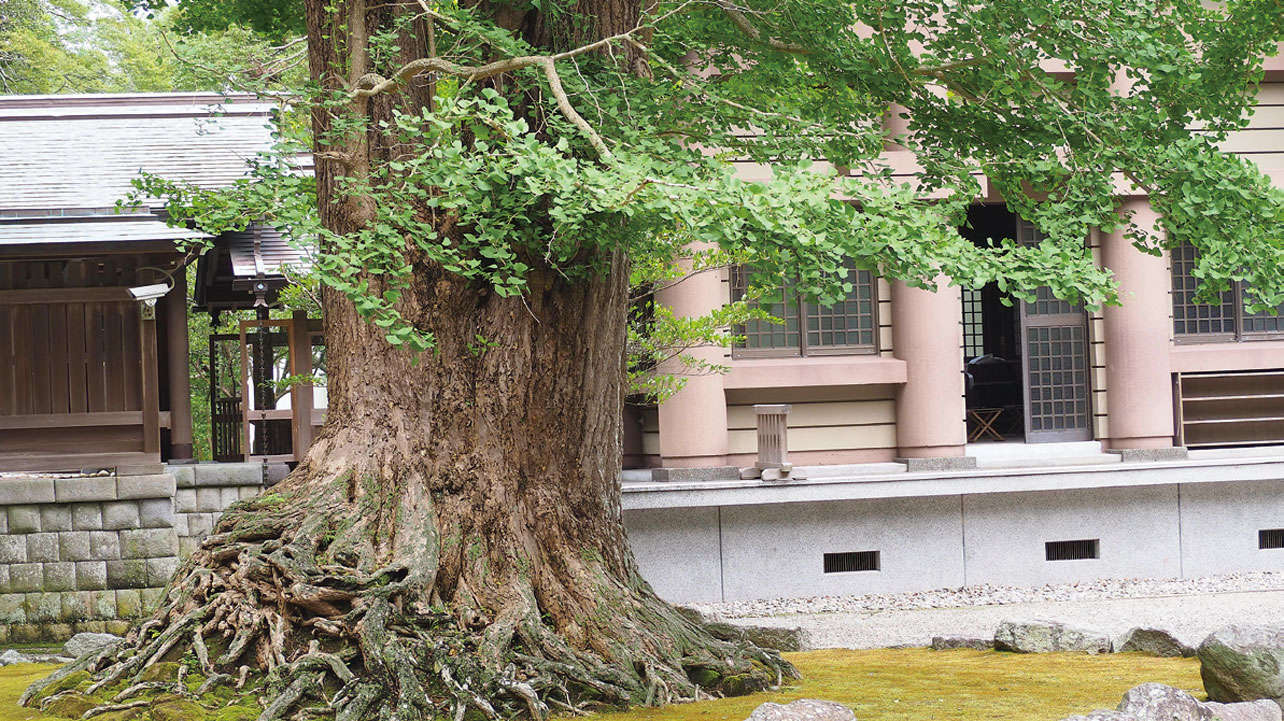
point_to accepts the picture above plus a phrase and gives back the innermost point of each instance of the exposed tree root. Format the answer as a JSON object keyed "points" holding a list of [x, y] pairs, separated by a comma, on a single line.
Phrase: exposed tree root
{"points": [[287, 600]]}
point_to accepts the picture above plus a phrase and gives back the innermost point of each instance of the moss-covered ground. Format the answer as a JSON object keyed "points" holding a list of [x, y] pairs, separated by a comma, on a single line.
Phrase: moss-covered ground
{"points": [[884, 685], [963, 685], [13, 681]]}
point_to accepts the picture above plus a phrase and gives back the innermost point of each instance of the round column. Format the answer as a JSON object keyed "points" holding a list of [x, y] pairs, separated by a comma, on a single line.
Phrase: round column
{"points": [[927, 334], [1139, 392], [693, 422]]}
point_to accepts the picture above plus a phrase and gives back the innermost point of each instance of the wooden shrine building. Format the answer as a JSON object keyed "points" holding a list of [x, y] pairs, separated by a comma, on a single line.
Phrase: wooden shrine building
{"points": [[94, 364]]}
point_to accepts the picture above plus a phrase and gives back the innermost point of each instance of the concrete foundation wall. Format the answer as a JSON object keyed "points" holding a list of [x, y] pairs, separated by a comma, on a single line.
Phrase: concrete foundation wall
{"points": [[744, 552], [1137, 530], [775, 552], [678, 551], [1220, 524]]}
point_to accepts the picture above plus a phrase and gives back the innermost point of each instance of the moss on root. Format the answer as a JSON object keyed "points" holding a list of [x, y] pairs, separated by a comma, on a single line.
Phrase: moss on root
{"points": [[294, 593], [163, 700]]}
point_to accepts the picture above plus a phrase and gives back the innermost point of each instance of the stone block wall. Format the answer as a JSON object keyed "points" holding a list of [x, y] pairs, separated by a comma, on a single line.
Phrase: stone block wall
{"points": [[82, 553], [90, 553], [204, 491]]}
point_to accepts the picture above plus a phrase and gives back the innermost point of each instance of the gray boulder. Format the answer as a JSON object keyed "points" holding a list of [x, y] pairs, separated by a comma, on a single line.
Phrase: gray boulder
{"points": [[84, 643], [1262, 710], [1243, 663], [1157, 702], [1152, 642], [779, 639], [11, 656], [944, 643], [804, 709], [1047, 636]]}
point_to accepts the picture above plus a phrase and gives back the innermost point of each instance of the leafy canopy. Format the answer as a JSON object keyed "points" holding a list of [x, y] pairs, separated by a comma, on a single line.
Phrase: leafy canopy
{"points": [[65, 46], [1060, 105]]}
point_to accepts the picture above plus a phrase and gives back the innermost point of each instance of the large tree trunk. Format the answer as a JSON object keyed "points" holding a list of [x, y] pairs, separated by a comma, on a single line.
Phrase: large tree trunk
{"points": [[452, 541]]}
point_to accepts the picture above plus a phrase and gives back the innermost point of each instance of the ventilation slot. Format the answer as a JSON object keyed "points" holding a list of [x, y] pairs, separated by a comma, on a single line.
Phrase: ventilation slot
{"points": [[851, 561], [1073, 550], [1270, 538]]}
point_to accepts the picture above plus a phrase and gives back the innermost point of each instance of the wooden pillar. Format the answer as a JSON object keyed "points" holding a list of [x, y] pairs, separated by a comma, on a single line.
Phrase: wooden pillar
{"points": [[301, 394], [150, 385], [1139, 391], [180, 388]]}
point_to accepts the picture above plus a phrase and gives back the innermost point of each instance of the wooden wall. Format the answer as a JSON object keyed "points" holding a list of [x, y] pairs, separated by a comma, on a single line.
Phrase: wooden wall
{"points": [[78, 380]]}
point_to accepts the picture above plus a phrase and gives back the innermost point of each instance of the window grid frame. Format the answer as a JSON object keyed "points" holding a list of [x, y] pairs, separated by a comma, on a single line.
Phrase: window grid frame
{"points": [[973, 323], [1179, 274], [800, 313]]}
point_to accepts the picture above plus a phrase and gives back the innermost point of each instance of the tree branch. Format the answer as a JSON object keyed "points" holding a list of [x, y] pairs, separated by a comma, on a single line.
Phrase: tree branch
{"points": [[564, 104], [738, 17], [372, 84]]}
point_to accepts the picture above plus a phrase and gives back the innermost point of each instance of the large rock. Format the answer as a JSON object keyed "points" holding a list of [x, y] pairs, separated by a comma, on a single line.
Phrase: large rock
{"points": [[945, 643], [83, 643], [1047, 636], [1153, 642], [1157, 702], [804, 709], [1243, 663], [780, 639], [1263, 710]]}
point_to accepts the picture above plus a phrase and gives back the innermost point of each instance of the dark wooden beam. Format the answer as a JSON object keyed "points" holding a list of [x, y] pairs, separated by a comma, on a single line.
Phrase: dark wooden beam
{"points": [[71, 420], [180, 388], [150, 388], [36, 251], [71, 461], [29, 296]]}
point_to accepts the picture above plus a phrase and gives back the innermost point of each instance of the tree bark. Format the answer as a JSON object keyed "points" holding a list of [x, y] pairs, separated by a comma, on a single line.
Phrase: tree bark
{"points": [[452, 542]]}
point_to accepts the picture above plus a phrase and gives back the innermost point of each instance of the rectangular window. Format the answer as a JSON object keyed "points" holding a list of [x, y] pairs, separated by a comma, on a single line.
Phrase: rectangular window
{"points": [[1072, 550], [808, 329], [851, 561], [1270, 538], [1225, 320], [973, 328]]}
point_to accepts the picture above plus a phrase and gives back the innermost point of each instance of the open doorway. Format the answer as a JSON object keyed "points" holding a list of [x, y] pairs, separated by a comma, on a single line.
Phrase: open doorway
{"points": [[992, 363], [1025, 364]]}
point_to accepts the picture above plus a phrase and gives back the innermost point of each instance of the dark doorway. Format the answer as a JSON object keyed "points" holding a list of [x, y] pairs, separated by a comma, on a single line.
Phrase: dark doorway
{"points": [[1025, 364], [992, 360]]}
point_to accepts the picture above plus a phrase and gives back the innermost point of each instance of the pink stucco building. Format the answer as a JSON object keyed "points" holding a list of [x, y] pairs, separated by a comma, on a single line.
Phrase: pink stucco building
{"points": [[948, 440], [903, 373]]}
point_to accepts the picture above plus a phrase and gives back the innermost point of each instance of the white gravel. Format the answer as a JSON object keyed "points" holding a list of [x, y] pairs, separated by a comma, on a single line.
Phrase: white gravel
{"points": [[1189, 608]]}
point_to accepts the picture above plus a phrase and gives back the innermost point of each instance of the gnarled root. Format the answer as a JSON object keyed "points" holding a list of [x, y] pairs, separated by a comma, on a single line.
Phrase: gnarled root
{"points": [[286, 601]]}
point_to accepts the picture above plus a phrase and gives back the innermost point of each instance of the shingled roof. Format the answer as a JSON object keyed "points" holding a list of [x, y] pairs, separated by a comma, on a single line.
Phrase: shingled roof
{"points": [[68, 159], [82, 151]]}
